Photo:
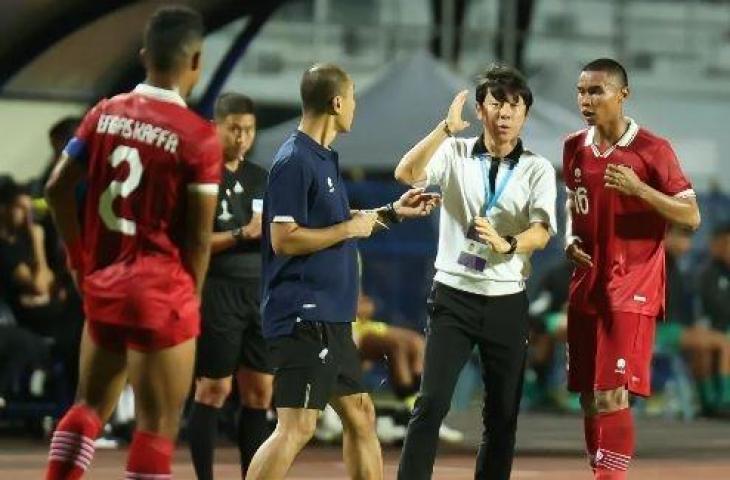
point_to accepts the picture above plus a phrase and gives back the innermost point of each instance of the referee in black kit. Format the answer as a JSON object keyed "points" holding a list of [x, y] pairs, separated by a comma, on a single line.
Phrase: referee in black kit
{"points": [[498, 207], [231, 340]]}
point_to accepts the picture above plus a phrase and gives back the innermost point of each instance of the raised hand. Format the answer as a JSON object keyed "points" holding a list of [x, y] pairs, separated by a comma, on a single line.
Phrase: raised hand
{"points": [[454, 121], [416, 203]]}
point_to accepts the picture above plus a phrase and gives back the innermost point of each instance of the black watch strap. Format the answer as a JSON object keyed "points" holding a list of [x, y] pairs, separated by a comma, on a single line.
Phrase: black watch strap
{"points": [[512, 244]]}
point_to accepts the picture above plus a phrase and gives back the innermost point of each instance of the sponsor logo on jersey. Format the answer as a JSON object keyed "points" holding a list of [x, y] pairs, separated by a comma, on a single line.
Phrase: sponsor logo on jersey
{"points": [[330, 184], [620, 366]]}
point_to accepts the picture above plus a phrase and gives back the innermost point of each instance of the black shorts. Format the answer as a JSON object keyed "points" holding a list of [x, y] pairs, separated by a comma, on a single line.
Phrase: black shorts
{"points": [[230, 333], [317, 362]]}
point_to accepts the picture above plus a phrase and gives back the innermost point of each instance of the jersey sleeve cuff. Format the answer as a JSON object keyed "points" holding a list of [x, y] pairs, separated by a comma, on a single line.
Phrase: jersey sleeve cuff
{"points": [[205, 188], [283, 219], [688, 193]]}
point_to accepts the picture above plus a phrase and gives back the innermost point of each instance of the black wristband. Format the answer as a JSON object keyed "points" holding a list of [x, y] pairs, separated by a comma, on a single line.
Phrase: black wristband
{"points": [[447, 130], [237, 234], [512, 244], [390, 213]]}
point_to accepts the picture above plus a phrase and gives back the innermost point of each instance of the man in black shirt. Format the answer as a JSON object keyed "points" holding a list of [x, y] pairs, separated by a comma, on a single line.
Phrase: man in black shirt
{"points": [[231, 340]]}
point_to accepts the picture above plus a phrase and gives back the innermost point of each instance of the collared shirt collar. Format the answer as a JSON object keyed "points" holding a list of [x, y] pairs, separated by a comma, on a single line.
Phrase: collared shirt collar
{"points": [[480, 148], [625, 140], [163, 94]]}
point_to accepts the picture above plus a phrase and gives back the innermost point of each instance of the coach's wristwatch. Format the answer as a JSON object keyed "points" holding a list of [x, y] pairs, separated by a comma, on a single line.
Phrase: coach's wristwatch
{"points": [[512, 244], [237, 234]]}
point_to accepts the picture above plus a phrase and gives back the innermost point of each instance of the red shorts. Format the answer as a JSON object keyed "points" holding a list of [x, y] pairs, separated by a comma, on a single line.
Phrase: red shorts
{"points": [[120, 338], [147, 305], [609, 350]]}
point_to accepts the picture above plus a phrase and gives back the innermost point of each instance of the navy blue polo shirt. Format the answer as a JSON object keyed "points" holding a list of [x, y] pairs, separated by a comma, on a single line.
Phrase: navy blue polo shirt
{"points": [[305, 186]]}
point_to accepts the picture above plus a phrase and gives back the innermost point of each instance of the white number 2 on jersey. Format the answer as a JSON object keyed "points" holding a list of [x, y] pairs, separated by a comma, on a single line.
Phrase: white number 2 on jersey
{"points": [[121, 154], [581, 200]]}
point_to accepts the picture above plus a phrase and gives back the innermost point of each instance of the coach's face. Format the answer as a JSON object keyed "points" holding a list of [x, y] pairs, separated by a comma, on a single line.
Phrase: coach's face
{"points": [[237, 133], [600, 97], [503, 120], [345, 108]]}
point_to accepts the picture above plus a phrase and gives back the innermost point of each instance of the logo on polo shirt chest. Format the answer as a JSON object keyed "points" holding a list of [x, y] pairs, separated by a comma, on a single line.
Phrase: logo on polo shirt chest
{"points": [[330, 184]]}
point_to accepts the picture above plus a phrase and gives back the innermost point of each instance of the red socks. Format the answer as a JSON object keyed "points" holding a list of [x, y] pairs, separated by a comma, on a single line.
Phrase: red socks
{"points": [[149, 457], [72, 445], [610, 443]]}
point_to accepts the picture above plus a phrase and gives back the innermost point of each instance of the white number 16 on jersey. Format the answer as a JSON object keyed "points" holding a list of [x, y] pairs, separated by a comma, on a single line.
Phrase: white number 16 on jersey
{"points": [[581, 200], [116, 188]]}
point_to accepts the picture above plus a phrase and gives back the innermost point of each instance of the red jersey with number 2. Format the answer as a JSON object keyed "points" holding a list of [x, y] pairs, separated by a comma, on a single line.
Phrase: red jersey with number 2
{"points": [[142, 152], [623, 235]]}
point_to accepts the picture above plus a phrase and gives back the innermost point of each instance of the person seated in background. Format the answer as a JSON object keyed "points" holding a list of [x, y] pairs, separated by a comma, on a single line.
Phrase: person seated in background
{"points": [[402, 350], [548, 334], [22, 355], [714, 294], [38, 301]]}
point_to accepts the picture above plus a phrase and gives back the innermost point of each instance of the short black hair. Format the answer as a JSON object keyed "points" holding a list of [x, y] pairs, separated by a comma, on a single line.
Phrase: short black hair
{"points": [[320, 84], [611, 67], [10, 190], [170, 32], [503, 82], [233, 104], [64, 128]]}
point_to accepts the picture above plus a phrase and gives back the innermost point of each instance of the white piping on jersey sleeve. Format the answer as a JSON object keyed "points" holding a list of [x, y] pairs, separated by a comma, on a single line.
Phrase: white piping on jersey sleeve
{"points": [[283, 219], [689, 193], [205, 188]]}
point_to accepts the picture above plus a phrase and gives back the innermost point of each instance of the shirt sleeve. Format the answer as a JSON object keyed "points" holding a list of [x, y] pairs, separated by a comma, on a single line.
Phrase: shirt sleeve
{"points": [[288, 191], [77, 148], [438, 169], [259, 187], [205, 164], [543, 195], [668, 175]]}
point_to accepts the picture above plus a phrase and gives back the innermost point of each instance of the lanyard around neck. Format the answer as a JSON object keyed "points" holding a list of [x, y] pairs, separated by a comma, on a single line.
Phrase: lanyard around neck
{"points": [[492, 195]]}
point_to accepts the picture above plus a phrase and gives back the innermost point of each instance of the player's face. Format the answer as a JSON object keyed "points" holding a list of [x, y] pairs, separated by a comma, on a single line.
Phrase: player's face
{"points": [[346, 111], [237, 133], [15, 215], [503, 120], [600, 97]]}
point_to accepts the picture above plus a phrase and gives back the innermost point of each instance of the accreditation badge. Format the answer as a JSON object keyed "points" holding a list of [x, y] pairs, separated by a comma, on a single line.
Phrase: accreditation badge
{"points": [[475, 254]]}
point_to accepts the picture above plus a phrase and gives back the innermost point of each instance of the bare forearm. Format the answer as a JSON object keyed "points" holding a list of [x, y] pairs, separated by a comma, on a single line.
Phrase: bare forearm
{"points": [[534, 238], [64, 209], [680, 211], [222, 241], [412, 167], [303, 241], [197, 256]]}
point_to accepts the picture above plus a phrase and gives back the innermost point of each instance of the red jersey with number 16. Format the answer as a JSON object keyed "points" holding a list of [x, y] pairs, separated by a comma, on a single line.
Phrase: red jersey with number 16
{"points": [[142, 152], [623, 235]]}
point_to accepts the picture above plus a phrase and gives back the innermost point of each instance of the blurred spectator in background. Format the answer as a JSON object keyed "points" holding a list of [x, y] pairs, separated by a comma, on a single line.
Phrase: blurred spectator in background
{"points": [[38, 301], [58, 136], [715, 280], [515, 15], [21, 352], [706, 350]]}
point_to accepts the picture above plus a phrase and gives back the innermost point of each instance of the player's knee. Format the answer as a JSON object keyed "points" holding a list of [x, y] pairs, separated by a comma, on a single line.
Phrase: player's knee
{"points": [[607, 401], [258, 396], [360, 418], [301, 430], [212, 392]]}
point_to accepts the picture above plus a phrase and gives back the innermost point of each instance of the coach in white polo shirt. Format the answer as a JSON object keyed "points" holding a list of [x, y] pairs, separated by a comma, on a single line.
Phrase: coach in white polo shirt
{"points": [[498, 207]]}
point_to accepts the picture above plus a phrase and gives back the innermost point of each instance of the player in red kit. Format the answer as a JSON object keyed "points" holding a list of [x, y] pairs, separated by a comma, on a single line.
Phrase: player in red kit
{"points": [[151, 167], [625, 185]]}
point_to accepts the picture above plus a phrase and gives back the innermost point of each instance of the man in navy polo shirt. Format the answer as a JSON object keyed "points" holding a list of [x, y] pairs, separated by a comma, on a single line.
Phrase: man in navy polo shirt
{"points": [[310, 283]]}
